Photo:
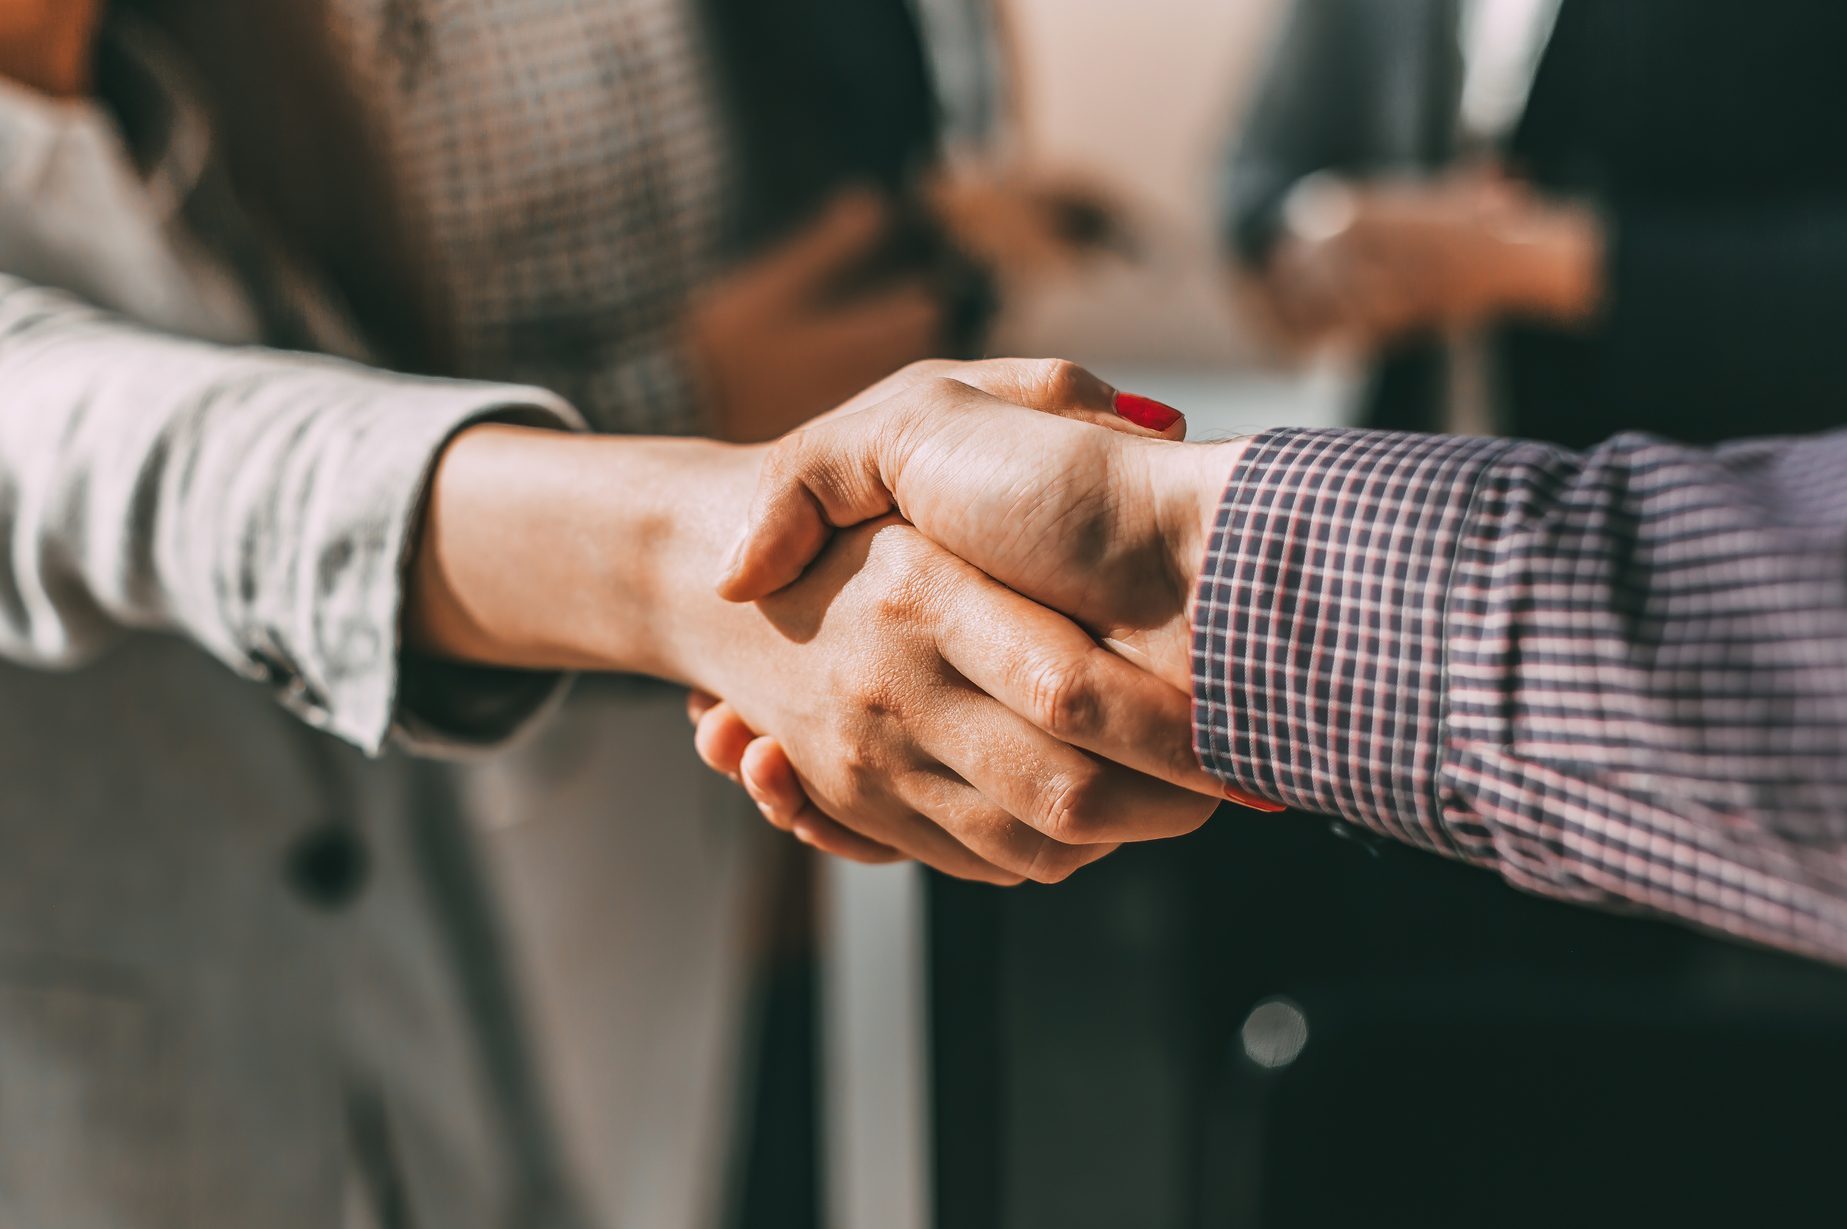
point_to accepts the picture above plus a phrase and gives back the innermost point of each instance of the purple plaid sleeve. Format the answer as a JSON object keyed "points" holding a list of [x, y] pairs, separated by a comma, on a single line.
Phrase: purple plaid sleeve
{"points": [[1617, 678]]}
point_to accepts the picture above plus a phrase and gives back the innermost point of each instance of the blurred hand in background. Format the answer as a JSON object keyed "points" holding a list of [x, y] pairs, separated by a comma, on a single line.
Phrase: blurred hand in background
{"points": [[1363, 264], [1021, 223], [851, 298], [812, 321], [47, 44]]}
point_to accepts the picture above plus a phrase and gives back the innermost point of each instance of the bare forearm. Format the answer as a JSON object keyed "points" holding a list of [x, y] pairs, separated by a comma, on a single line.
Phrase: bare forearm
{"points": [[546, 551]]}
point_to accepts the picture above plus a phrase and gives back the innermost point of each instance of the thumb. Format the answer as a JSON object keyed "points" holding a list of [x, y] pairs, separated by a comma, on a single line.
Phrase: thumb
{"points": [[1055, 386], [823, 477]]}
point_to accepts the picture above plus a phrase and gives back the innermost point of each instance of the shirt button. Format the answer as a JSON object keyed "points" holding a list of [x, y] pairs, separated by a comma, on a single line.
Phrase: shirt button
{"points": [[328, 865]]}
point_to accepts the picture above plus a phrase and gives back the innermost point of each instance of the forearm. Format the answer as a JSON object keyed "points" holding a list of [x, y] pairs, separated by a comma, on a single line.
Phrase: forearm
{"points": [[546, 551], [1297, 125], [1614, 678]]}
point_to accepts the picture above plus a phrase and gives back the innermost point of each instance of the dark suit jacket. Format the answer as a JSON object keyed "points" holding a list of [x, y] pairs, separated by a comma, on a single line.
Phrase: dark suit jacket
{"points": [[1708, 133]]}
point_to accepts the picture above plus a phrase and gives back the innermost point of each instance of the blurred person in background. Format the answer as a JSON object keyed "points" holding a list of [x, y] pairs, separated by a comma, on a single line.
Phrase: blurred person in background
{"points": [[247, 974], [1555, 218]]}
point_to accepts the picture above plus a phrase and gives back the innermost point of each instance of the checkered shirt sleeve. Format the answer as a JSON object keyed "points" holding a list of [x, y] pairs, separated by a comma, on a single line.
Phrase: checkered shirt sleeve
{"points": [[1617, 678]]}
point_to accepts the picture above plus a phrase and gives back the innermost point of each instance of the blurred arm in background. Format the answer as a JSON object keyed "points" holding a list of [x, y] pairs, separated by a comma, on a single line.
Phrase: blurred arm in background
{"points": [[1354, 230], [884, 204], [1360, 266], [1654, 227]]}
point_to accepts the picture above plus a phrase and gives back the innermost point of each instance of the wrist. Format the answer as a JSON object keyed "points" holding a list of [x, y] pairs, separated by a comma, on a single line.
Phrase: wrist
{"points": [[541, 550], [1186, 484], [1193, 486], [699, 505]]}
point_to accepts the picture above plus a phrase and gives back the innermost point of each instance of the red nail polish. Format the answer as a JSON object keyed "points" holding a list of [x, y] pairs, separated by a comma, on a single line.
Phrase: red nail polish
{"points": [[1146, 412], [1254, 803]]}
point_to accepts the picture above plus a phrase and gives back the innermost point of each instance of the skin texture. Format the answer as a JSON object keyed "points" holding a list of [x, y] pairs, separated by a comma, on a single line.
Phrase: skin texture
{"points": [[916, 698], [46, 44], [1116, 540], [1383, 260]]}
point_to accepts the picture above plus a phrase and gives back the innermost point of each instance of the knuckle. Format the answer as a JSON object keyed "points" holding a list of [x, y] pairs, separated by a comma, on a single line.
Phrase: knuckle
{"points": [[859, 763], [910, 578], [782, 461], [1062, 698], [1052, 861], [926, 368], [947, 388], [1071, 811], [1060, 381], [902, 597], [882, 705]]}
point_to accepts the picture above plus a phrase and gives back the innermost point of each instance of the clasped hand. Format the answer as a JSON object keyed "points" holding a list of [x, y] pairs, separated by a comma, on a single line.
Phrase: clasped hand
{"points": [[1001, 685]]}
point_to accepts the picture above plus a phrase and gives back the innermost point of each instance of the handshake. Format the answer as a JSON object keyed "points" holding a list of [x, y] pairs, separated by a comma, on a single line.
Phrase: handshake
{"points": [[995, 616], [986, 570]]}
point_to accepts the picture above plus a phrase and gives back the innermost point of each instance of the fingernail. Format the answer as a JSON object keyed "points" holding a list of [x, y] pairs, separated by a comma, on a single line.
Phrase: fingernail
{"points": [[1253, 802], [1146, 412]]}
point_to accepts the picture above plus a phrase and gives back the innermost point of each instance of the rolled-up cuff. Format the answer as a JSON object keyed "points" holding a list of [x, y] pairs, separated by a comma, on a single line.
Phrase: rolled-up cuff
{"points": [[1318, 644], [331, 645]]}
